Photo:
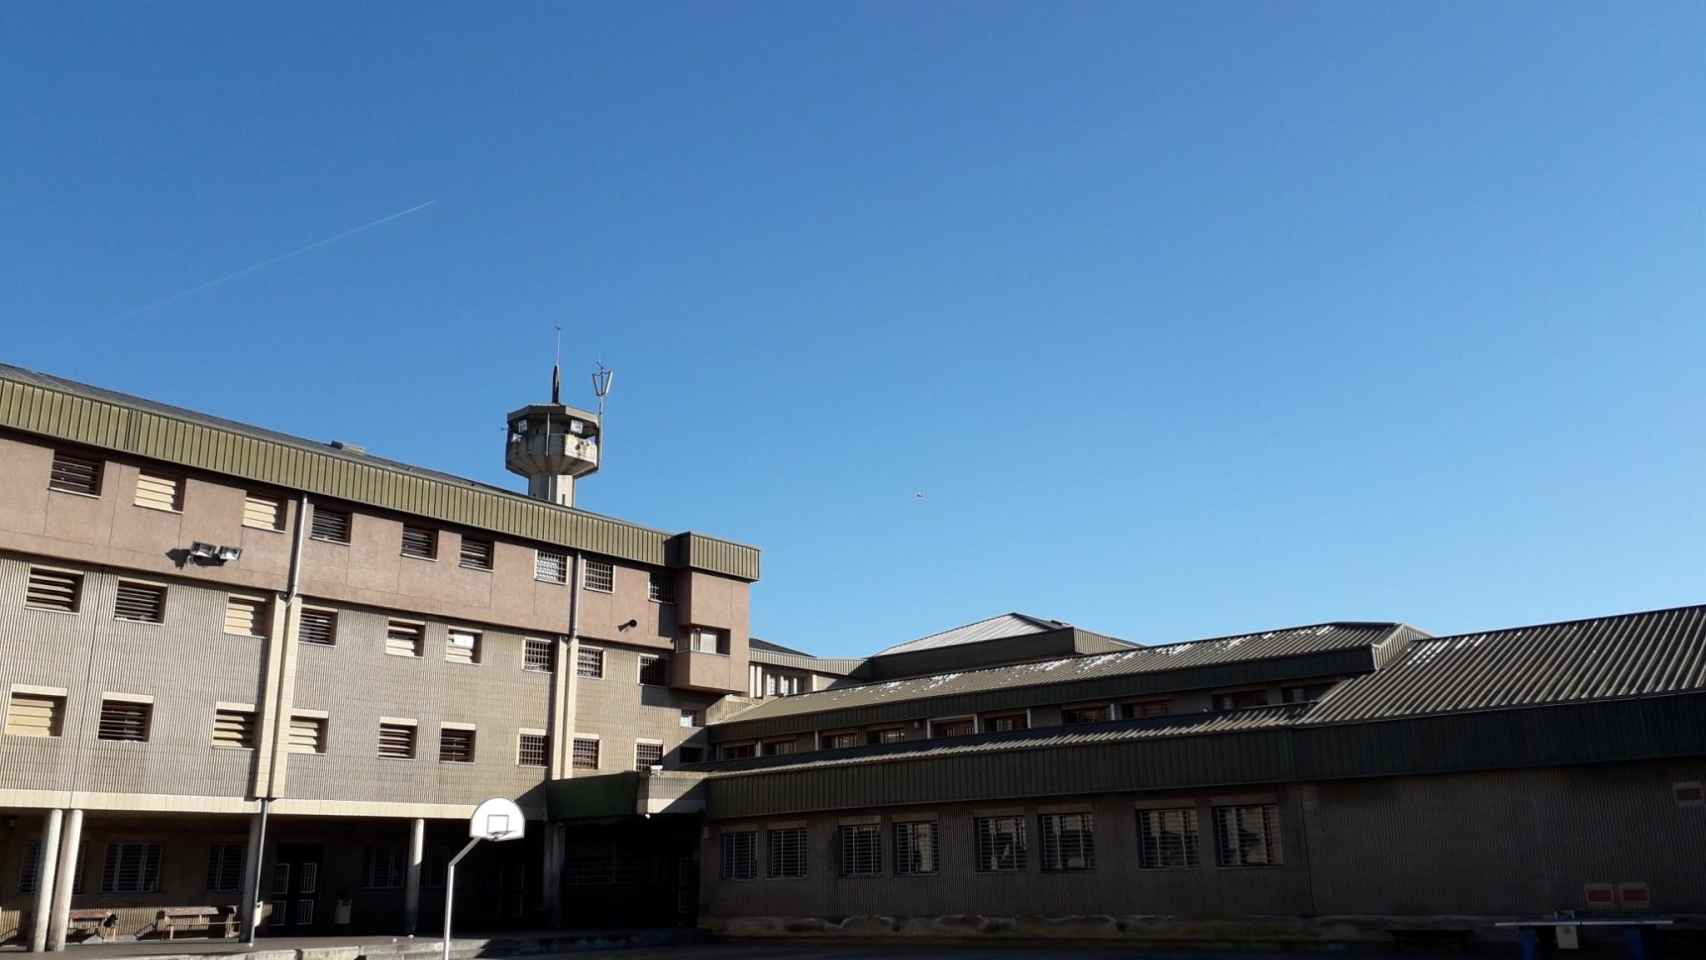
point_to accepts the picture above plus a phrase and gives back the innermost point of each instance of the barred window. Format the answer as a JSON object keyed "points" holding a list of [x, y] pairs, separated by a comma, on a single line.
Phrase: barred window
{"points": [[777, 748], [551, 566], [462, 646], [964, 727], [1070, 715], [1247, 836], [740, 855], [318, 625], [420, 542], [531, 749], [891, 735], [329, 524], [29, 868], [861, 850], [916, 850], [589, 663], [455, 745], [384, 868], [584, 755], [49, 589], [263, 512], [124, 720], [1069, 841], [476, 553], [140, 602], [538, 654], [158, 491], [647, 755], [662, 587], [74, 474], [1005, 724], [404, 639], [785, 852], [397, 741], [225, 867], [132, 868], [1000, 844], [1144, 709], [654, 670], [234, 727], [246, 616], [1167, 838], [840, 741], [600, 576]]}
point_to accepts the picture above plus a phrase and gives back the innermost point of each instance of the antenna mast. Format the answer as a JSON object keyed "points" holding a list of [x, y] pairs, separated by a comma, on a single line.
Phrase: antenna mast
{"points": [[602, 377]]}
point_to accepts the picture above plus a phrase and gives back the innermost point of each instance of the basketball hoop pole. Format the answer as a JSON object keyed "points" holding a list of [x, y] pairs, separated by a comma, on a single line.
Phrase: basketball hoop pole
{"points": [[450, 890]]}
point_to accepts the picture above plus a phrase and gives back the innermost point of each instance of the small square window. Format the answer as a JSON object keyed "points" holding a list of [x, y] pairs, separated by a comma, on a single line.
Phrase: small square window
{"points": [[584, 755], [263, 512], [72, 473], [1069, 841], [692, 718], [1247, 836], [589, 663], [404, 638], [330, 525], [307, 733], [532, 749], [1077, 715], [455, 745], [707, 640], [397, 741], [124, 720], [739, 855], [234, 727], [159, 491], [647, 755], [662, 587], [318, 626], [600, 576], [538, 655], [247, 616], [58, 590], [861, 850], [420, 542], [1167, 838], [35, 714], [551, 566], [654, 670], [1000, 844], [462, 646], [786, 853], [140, 602], [476, 553]]}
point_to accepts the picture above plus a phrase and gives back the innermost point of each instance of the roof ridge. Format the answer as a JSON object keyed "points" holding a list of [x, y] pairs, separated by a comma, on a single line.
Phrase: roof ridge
{"points": [[1430, 638]]}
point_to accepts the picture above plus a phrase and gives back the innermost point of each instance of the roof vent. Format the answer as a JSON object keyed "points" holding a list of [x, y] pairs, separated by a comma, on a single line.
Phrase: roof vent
{"points": [[348, 447]]}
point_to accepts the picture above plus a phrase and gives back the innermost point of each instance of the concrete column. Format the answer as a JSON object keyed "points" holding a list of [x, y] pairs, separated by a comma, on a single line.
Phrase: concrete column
{"points": [[555, 849], [70, 839], [46, 879], [412, 881], [251, 875]]}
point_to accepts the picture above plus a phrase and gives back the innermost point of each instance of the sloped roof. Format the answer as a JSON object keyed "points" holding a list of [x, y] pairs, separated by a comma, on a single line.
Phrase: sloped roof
{"points": [[1630, 655], [1291, 641], [998, 627]]}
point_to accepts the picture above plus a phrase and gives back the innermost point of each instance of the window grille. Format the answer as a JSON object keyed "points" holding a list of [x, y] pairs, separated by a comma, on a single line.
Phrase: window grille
{"points": [[891, 735], [317, 625], [786, 853], [384, 868], [1084, 715], [740, 855], [840, 741], [132, 868], [1167, 838], [916, 850], [1143, 709], [476, 553], [584, 867], [124, 720], [589, 663], [661, 586], [1000, 844], [462, 646], [35, 714], [307, 734], [225, 867], [404, 639], [140, 602], [777, 748], [600, 576], [234, 728], [455, 745], [246, 616], [29, 868], [420, 542], [861, 850], [1069, 841], [156, 491], [538, 654], [532, 750], [647, 755], [397, 741], [329, 524], [954, 728], [263, 512], [550, 566], [1007, 724], [74, 474], [584, 754], [654, 670], [1247, 836], [59, 590]]}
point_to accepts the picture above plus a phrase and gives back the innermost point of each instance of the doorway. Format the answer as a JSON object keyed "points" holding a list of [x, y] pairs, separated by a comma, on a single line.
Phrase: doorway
{"points": [[294, 895]]}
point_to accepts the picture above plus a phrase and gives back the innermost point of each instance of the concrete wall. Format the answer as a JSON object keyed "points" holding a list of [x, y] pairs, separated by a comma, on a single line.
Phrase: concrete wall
{"points": [[620, 710]]}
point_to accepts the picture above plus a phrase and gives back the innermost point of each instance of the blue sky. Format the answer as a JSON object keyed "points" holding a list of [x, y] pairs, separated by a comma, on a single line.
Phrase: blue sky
{"points": [[1186, 320]]}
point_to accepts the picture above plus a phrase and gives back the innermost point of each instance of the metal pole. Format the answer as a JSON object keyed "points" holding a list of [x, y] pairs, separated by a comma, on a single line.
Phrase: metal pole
{"points": [[260, 855], [450, 891]]}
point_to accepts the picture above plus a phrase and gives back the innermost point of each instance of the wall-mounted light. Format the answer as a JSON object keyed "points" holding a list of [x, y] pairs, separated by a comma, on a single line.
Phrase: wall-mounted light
{"points": [[630, 623], [211, 554]]}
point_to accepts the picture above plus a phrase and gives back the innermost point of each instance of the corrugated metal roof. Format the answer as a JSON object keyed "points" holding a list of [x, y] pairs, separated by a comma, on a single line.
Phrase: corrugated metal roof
{"points": [[997, 627], [1049, 738], [1637, 654], [1178, 656]]}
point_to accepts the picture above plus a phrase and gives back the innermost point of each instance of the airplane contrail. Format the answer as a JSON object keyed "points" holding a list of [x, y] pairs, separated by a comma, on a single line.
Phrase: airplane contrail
{"points": [[251, 268]]}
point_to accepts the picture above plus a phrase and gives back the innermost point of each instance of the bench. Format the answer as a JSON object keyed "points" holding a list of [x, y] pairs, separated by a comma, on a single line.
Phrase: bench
{"points": [[168, 920], [101, 922], [1634, 931]]}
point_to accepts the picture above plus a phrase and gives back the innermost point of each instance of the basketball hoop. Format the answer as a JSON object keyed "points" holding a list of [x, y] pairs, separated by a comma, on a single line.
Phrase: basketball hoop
{"points": [[496, 820]]}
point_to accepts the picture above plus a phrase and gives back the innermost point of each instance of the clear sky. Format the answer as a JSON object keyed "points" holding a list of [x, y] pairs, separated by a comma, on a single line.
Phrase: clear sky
{"points": [[1185, 319]]}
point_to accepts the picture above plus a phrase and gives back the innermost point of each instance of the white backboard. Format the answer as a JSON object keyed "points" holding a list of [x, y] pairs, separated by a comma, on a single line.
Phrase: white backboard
{"points": [[497, 819]]}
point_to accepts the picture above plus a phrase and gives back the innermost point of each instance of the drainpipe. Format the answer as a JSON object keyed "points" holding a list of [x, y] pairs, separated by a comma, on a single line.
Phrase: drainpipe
{"points": [[291, 585]]}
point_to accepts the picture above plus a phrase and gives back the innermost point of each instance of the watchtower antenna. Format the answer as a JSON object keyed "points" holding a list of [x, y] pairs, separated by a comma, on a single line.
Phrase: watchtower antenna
{"points": [[601, 380]]}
